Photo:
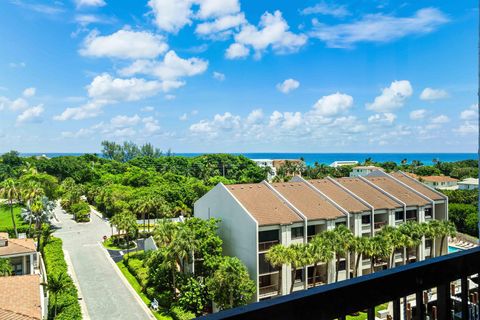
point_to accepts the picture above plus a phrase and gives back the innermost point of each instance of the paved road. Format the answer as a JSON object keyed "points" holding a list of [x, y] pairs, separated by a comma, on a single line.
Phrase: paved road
{"points": [[104, 292]]}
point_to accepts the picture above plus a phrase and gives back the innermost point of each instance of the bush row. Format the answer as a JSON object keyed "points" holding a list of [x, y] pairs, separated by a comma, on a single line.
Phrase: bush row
{"points": [[68, 307], [80, 210], [11, 231]]}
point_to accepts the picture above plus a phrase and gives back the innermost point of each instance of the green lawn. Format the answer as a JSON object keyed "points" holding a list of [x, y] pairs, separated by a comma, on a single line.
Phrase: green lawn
{"points": [[6, 219], [363, 315], [136, 286], [110, 245]]}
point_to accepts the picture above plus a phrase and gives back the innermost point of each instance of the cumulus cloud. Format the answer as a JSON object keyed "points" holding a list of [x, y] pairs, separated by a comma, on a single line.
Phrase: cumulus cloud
{"points": [[183, 117], [323, 8], [469, 125], [333, 104], [272, 32], [90, 3], [147, 109], [255, 116], [440, 119], [124, 44], [433, 94], [218, 76], [171, 15], [379, 28], [392, 97], [382, 118], [418, 114], [470, 113], [29, 92], [220, 28], [124, 121], [237, 51], [288, 85], [217, 8], [31, 114], [169, 70]]}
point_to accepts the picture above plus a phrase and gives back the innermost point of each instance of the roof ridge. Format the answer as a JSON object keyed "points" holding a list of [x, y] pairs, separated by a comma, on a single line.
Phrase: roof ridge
{"points": [[19, 313]]}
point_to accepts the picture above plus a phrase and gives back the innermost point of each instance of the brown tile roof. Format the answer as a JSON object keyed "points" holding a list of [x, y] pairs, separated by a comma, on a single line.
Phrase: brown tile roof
{"points": [[369, 167], [399, 191], [312, 204], [18, 246], [263, 204], [20, 297], [438, 179], [369, 193], [417, 185], [340, 196]]}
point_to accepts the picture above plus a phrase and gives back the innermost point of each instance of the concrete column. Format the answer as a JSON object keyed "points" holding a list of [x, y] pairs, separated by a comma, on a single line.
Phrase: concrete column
{"points": [[391, 218], [31, 263], [24, 265], [421, 218]]}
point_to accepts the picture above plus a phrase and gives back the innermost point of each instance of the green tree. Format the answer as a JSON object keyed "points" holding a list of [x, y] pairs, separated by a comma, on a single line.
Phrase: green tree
{"points": [[341, 240], [277, 256], [9, 191], [319, 250], [298, 258], [5, 267], [193, 296], [57, 283], [359, 246], [231, 286]]}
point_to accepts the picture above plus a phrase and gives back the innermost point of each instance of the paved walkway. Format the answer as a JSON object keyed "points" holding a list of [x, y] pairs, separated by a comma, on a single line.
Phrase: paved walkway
{"points": [[106, 293]]}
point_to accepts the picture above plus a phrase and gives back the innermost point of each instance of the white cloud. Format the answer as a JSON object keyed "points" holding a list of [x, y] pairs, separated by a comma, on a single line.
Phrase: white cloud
{"points": [[170, 97], [470, 113], [237, 51], [183, 117], [433, 94], [418, 114], [467, 128], [255, 116], [392, 97], [170, 69], [106, 88], [90, 3], [226, 122], [86, 19], [217, 8], [121, 121], [151, 125], [288, 85], [124, 44], [221, 27], [81, 133], [382, 118], [31, 114], [147, 109], [29, 92], [327, 9], [378, 28], [171, 15], [273, 32], [218, 76], [440, 119], [90, 109], [333, 104]]}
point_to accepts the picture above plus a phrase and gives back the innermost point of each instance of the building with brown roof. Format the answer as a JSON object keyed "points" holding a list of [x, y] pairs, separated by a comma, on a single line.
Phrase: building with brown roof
{"points": [[22, 298], [21, 253], [439, 182], [254, 217], [361, 171]]}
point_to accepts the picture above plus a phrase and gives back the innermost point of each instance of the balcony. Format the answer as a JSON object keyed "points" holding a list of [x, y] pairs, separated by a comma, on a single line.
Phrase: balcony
{"points": [[264, 246], [366, 227], [337, 300], [379, 225], [268, 290]]}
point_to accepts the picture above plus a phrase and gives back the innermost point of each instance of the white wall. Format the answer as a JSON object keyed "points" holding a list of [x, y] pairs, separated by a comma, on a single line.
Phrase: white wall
{"points": [[237, 229]]}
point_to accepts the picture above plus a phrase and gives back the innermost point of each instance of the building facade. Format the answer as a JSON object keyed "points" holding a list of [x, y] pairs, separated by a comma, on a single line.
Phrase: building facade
{"points": [[468, 184], [362, 171], [254, 217], [440, 182], [21, 253]]}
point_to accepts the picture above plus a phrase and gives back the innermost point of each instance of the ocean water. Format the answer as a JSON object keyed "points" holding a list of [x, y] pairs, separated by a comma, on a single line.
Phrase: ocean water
{"points": [[328, 158]]}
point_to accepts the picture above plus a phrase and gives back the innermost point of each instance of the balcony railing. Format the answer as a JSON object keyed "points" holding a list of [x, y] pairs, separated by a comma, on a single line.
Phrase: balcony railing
{"points": [[379, 224], [337, 300], [268, 290], [264, 246]]}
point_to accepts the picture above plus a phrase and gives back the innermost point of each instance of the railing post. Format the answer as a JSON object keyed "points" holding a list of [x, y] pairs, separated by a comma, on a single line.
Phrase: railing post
{"points": [[420, 308], [464, 296], [371, 313], [444, 302], [396, 309]]}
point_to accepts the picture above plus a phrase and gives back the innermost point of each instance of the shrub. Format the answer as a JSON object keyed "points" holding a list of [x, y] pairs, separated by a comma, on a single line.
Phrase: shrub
{"points": [[81, 211], [68, 307], [180, 314]]}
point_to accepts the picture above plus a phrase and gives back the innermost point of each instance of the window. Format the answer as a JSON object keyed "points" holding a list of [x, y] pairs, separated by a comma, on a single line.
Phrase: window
{"points": [[264, 266], [299, 275], [428, 212], [342, 265], [366, 219], [297, 232], [264, 281], [399, 215], [311, 231], [264, 236]]}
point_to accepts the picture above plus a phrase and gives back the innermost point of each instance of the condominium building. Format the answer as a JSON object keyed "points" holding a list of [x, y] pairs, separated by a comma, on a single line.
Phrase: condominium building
{"points": [[440, 182], [21, 253], [361, 171], [254, 217]]}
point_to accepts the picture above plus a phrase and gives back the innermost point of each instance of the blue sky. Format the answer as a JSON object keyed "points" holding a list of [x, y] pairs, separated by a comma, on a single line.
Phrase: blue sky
{"points": [[239, 76]]}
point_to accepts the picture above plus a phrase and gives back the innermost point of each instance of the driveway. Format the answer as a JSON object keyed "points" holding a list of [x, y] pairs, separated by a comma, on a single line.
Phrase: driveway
{"points": [[106, 294]]}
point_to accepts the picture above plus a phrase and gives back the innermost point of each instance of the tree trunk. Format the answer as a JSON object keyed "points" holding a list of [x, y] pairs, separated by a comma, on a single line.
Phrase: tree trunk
{"points": [[148, 217], [441, 244], [314, 274], [280, 281], [144, 222], [173, 280], [357, 263], [294, 271], [372, 264], [337, 267], [13, 219], [408, 256]]}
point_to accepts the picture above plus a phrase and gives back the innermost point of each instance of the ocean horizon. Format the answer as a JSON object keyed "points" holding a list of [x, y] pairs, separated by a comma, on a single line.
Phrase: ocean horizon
{"points": [[321, 158]]}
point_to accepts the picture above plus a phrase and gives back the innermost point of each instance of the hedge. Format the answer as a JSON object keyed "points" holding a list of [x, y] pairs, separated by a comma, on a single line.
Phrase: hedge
{"points": [[68, 307]]}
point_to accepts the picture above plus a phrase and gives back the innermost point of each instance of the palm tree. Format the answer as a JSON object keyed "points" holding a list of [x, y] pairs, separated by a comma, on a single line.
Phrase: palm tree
{"points": [[9, 191], [394, 240], [342, 239], [446, 229], [277, 257], [359, 247], [57, 283], [377, 248], [413, 233], [319, 250], [5, 267], [297, 257]]}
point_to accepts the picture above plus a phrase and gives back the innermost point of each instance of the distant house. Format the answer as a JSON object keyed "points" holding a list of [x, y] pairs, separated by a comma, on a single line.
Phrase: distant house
{"points": [[264, 163], [468, 184], [361, 171], [440, 182], [22, 298], [21, 253], [342, 163]]}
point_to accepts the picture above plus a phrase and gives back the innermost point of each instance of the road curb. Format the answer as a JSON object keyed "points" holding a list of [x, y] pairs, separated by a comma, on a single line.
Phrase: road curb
{"points": [[71, 272], [127, 284]]}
